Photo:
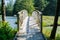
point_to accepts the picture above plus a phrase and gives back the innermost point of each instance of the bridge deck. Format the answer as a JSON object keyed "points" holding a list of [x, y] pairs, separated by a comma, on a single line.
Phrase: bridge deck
{"points": [[29, 30]]}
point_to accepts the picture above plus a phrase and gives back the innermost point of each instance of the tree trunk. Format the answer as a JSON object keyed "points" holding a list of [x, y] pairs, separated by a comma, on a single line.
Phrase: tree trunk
{"points": [[3, 10], [53, 33]]}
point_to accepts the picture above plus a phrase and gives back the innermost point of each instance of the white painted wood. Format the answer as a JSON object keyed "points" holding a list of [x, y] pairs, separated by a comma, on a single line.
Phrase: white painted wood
{"points": [[22, 15], [30, 28]]}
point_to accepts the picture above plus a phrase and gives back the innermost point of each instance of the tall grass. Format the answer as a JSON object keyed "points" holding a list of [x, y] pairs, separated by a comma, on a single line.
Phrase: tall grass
{"points": [[49, 20], [47, 32]]}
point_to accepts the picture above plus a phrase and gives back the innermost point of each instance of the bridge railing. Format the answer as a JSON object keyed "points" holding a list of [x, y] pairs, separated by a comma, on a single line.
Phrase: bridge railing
{"points": [[20, 17], [36, 14]]}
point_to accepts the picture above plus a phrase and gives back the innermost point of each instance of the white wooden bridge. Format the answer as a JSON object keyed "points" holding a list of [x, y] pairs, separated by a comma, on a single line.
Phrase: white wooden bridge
{"points": [[29, 26]]}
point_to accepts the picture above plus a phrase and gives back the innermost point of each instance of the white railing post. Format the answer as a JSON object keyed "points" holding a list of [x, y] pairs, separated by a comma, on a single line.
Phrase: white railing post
{"points": [[20, 17]]}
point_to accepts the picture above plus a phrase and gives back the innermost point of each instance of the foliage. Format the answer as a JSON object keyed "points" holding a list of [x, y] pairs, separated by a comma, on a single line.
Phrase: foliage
{"points": [[40, 4], [46, 6], [50, 8], [6, 32], [23, 4], [9, 8]]}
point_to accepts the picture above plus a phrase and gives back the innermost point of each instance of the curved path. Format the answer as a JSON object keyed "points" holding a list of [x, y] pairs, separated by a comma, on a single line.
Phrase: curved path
{"points": [[29, 30]]}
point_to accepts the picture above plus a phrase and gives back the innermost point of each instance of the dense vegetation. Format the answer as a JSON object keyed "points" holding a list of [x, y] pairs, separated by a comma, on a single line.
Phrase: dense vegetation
{"points": [[8, 7], [46, 6], [6, 32], [23, 4]]}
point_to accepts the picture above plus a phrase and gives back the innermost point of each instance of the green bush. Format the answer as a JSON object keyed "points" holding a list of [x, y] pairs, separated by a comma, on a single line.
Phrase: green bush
{"points": [[6, 32]]}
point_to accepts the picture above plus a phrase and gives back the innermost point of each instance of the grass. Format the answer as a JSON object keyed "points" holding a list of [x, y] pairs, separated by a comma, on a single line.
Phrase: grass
{"points": [[48, 20]]}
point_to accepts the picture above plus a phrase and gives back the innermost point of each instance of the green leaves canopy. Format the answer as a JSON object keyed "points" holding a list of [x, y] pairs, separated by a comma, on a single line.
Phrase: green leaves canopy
{"points": [[23, 4], [46, 6]]}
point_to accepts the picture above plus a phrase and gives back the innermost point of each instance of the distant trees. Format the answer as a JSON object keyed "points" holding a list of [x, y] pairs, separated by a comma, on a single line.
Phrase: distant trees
{"points": [[29, 5], [50, 8], [9, 8], [46, 6], [40, 4], [23, 4]]}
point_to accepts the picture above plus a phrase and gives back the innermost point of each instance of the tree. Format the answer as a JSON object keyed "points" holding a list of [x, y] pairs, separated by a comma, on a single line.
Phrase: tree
{"points": [[53, 33], [50, 8], [9, 8], [40, 4], [3, 10], [23, 4]]}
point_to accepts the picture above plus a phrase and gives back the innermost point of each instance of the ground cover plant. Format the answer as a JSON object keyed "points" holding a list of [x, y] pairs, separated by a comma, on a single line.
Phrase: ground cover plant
{"points": [[6, 32]]}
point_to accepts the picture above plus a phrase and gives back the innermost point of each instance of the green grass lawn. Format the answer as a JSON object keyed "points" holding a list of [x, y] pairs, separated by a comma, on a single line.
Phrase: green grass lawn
{"points": [[48, 20], [47, 32]]}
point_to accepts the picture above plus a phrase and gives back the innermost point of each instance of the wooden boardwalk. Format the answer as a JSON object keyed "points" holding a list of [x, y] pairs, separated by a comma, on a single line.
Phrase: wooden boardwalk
{"points": [[29, 30]]}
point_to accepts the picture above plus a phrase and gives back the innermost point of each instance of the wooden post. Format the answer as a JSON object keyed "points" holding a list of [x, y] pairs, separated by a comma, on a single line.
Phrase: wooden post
{"points": [[53, 33], [3, 10]]}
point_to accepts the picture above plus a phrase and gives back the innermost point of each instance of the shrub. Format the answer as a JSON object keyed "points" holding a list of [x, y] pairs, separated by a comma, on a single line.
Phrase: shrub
{"points": [[6, 32]]}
